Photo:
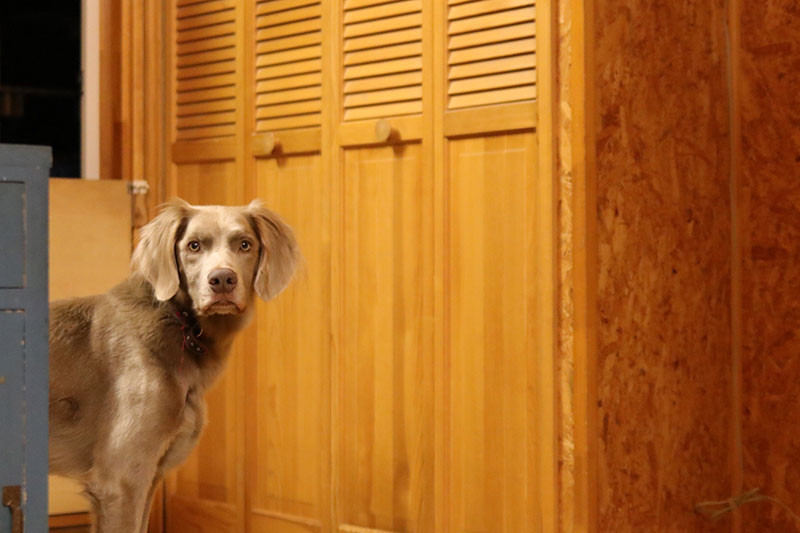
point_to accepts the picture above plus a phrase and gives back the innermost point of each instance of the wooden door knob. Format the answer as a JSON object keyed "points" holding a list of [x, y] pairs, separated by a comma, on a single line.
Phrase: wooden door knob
{"points": [[264, 143], [383, 130]]}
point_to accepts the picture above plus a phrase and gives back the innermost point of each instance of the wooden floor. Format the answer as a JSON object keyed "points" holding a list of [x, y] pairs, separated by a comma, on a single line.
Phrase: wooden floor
{"points": [[70, 523]]}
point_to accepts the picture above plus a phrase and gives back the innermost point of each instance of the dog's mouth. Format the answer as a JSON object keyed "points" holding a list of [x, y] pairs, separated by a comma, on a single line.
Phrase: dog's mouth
{"points": [[222, 307]]}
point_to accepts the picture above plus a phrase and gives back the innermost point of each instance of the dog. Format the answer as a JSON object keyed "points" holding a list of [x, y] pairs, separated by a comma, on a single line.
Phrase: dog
{"points": [[129, 368]]}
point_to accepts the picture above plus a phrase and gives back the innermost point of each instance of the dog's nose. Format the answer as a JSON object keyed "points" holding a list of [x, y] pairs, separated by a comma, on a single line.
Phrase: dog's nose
{"points": [[222, 280]]}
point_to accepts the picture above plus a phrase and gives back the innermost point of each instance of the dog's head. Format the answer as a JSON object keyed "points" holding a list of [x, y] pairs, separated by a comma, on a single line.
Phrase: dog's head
{"points": [[219, 256]]}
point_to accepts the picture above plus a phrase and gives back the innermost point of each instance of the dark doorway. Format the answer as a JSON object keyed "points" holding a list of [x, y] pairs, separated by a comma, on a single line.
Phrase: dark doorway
{"points": [[40, 78]]}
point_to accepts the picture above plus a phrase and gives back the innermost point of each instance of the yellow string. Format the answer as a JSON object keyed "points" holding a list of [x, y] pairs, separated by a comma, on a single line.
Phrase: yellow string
{"points": [[715, 510]]}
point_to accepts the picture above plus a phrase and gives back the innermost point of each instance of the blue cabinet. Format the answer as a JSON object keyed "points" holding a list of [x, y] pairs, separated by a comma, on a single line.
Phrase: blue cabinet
{"points": [[24, 172]]}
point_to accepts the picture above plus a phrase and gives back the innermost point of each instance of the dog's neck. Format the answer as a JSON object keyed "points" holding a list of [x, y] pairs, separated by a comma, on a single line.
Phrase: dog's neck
{"points": [[207, 338], [191, 330], [217, 327]]}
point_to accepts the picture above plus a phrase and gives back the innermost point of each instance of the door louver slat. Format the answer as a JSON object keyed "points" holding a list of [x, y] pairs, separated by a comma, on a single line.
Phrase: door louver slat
{"points": [[491, 52], [288, 64], [206, 69]]}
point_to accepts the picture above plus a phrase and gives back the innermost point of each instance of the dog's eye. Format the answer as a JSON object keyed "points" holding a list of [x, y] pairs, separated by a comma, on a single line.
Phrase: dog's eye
{"points": [[245, 246], [194, 246]]}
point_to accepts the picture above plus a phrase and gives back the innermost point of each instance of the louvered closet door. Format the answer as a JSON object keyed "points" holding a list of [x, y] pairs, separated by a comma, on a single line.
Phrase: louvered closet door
{"points": [[288, 374], [383, 375], [205, 70], [491, 52], [489, 459], [288, 55], [394, 387], [382, 58], [204, 123]]}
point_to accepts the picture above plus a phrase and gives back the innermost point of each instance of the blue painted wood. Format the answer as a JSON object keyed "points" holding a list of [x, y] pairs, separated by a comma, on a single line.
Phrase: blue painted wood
{"points": [[24, 172], [12, 336], [12, 253]]}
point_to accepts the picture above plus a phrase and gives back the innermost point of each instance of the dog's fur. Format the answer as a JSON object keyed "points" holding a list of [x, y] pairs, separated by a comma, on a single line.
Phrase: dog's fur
{"points": [[126, 392]]}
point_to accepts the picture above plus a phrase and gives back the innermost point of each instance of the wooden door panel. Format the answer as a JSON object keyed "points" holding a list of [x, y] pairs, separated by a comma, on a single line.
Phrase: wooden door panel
{"points": [[290, 368], [385, 441], [490, 423], [206, 485], [207, 183], [204, 493]]}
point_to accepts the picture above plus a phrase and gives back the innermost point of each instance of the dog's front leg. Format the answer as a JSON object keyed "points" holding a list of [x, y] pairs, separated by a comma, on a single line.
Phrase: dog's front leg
{"points": [[118, 506], [146, 514], [185, 439]]}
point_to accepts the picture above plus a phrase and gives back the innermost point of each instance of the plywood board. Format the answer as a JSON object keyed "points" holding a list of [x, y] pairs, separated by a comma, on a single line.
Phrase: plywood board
{"points": [[90, 236], [90, 248], [770, 233], [664, 263]]}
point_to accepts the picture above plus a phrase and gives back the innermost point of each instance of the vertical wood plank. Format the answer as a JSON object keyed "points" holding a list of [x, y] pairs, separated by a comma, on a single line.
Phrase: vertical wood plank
{"points": [[541, 252], [491, 305], [386, 450], [110, 84], [584, 279], [293, 345], [437, 81], [206, 492], [331, 213]]}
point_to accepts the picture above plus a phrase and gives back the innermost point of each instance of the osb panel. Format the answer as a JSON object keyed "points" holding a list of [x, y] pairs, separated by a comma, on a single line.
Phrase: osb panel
{"points": [[664, 263], [770, 195], [565, 362]]}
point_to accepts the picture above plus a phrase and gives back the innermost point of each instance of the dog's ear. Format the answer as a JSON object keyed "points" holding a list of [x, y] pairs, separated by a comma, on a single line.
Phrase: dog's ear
{"points": [[279, 251], [154, 256]]}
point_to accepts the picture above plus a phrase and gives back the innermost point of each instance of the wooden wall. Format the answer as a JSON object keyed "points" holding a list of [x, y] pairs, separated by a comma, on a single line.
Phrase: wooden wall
{"points": [[694, 168], [665, 284], [770, 234], [664, 263]]}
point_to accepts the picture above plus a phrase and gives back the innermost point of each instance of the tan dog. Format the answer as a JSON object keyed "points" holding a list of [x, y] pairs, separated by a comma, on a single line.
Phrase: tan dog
{"points": [[129, 368]]}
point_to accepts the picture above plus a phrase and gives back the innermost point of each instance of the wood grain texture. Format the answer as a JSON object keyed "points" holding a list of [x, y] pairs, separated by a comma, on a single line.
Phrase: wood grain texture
{"points": [[111, 67], [88, 219], [770, 234], [664, 239], [491, 52], [385, 447], [289, 66], [205, 70], [491, 416], [382, 59], [289, 373], [204, 494], [361, 455]]}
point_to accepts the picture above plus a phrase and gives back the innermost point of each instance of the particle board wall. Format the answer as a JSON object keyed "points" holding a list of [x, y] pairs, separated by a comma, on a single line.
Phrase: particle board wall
{"points": [[770, 235], [664, 263]]}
